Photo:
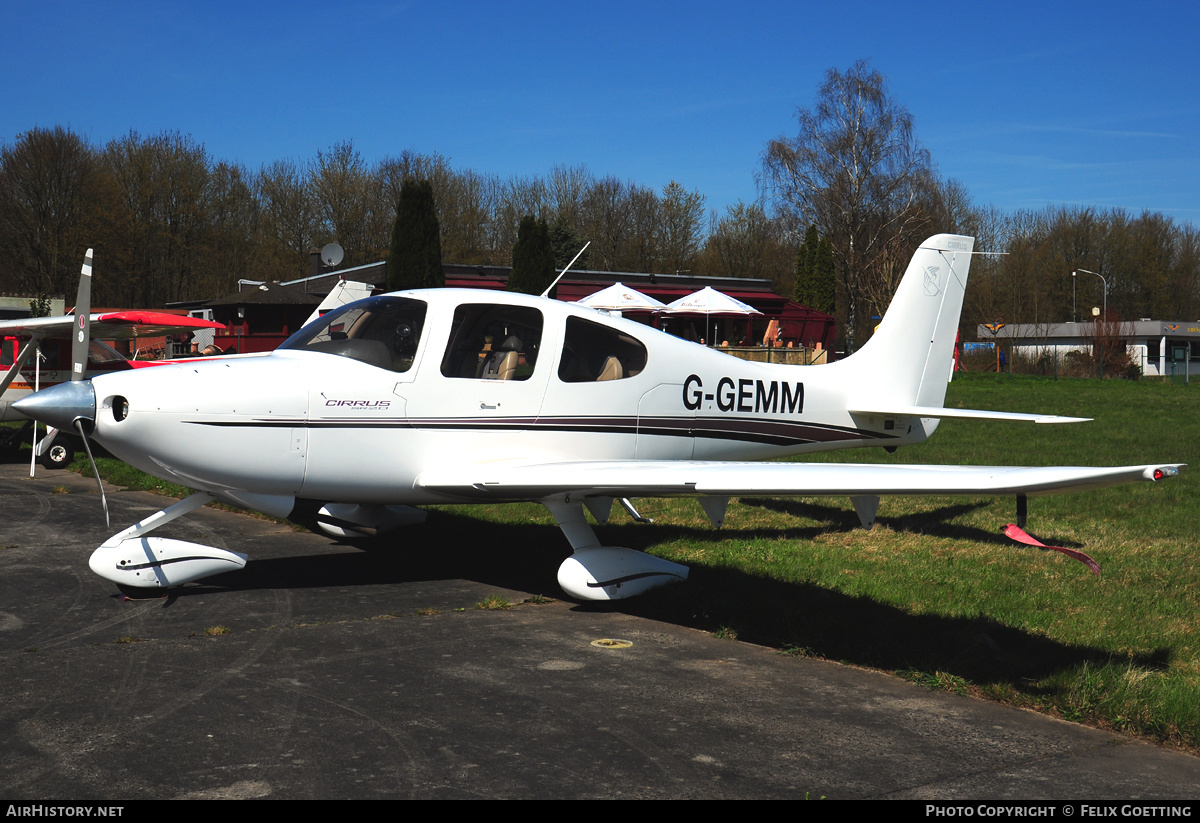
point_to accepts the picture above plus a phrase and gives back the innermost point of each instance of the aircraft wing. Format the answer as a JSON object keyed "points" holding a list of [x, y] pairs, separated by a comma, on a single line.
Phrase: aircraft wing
{"points": [[970, 414], [119, 325], [508, 481]]}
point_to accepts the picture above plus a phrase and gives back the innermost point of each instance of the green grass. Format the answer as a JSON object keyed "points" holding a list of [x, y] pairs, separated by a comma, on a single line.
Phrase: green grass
{"points": [[122, 474], [935, 593]]}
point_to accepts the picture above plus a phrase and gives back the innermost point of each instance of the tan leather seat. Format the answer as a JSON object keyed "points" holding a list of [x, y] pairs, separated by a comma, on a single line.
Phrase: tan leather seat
{"points": [[612, 370], [502, 364]]}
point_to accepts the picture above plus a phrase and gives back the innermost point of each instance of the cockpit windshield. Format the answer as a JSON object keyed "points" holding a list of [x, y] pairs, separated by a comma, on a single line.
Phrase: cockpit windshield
{"points": [[103, 356], [378, 331]]}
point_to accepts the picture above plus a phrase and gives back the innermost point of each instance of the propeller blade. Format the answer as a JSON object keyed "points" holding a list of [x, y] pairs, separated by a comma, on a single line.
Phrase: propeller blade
{"points": [[80, 339], [38, 357], [95, 471]]}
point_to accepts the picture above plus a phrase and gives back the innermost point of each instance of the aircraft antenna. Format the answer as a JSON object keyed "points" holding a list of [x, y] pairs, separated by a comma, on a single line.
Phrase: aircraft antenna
{"points": [[564, 271]]}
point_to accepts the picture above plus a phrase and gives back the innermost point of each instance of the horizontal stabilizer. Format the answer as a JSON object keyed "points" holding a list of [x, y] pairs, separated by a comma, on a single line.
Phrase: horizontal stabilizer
{"points": [[969, 414]]}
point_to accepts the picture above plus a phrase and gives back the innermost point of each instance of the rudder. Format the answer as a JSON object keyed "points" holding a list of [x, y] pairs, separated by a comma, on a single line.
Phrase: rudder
{"points": [[908, 359]]}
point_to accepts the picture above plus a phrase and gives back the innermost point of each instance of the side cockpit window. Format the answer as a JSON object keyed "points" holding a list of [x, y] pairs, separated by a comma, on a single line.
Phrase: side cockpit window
{"points": [[378, 331], [493, 342], [593, 352]]}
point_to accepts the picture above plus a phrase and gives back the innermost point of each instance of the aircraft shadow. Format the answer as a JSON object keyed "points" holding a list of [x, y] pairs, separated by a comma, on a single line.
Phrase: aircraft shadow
{"points": [[445, 547], [935, 523], [801, 617]]}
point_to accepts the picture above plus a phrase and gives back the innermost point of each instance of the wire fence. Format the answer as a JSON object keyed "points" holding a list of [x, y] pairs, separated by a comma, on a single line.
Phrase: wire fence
{"points": [[1075, 361]]}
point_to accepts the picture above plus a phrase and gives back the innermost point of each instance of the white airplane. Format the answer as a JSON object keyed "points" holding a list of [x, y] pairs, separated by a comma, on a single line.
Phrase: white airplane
{"points": [[71, 349], [466, 396]]}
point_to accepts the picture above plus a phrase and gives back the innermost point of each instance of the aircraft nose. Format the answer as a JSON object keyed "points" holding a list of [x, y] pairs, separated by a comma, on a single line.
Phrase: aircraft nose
{"points": [[60, 406]]}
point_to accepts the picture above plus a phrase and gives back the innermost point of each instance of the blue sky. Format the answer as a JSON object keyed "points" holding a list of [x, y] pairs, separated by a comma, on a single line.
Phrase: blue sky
{"points": [[1027, 104]]}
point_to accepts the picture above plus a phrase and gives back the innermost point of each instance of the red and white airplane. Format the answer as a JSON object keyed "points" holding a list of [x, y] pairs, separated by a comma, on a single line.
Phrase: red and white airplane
{"points": [[63, 343], [462, 396]]}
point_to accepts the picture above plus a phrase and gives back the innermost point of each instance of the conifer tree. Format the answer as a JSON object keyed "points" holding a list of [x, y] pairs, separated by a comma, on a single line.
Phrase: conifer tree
{"points": [[533, 257], [415, 259], [824, 276], [802, 289], [815, 273], [566, 243]]}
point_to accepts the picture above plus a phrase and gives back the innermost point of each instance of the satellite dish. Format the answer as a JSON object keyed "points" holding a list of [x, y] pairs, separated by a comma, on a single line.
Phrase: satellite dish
{"points": [[332, 254]]}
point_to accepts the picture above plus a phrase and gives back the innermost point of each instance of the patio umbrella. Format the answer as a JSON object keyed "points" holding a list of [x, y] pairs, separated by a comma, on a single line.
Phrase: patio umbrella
{"points": [[708, 301], [619, 297]]}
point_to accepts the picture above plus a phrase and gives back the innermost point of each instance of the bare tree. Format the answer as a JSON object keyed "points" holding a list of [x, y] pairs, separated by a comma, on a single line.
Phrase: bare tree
{"points": [[1148, 264], [566, 188], [1186, 272], [348, 204], [982, 301], [939, 206], [519, 197], [163, 183], [393, 171], [49, 200], [642, 253], [233, 230], [747, 243], [467, 213], [681, 226], [289, 225], [606, 222], [853, 170]]}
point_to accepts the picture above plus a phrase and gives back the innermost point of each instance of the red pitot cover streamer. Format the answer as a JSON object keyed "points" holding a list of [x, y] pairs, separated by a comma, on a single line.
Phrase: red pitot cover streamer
{"points": [[1014, 532]]}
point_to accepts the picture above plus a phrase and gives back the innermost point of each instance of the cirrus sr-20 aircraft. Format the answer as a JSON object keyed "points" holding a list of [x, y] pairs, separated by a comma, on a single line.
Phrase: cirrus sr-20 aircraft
{"points": [[464, 396]]}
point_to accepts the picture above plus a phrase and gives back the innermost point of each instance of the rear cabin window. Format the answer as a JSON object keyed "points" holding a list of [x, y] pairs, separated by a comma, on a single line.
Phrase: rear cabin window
{"points": [[378, 331], [593, 352], [493, 342]]}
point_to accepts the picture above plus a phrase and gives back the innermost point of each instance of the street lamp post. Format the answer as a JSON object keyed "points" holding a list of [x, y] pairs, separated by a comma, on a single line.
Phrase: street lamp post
{"points": [[1095, 327], [1102, 280]]}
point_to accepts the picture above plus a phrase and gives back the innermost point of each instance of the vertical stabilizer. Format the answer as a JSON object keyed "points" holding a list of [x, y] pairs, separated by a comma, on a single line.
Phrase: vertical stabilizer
{"points": [[907, 362]]}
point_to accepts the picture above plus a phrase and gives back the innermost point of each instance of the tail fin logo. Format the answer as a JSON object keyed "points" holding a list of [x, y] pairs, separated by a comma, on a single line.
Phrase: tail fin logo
{"points": [[931, 281]]}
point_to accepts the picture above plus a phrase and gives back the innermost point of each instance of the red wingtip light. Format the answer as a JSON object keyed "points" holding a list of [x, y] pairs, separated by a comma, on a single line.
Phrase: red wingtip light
{"points": [[1159, 474]]}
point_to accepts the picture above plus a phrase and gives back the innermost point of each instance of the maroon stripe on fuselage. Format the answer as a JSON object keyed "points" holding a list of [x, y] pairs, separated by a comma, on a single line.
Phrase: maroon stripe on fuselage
{"points": [[750, 429]]}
